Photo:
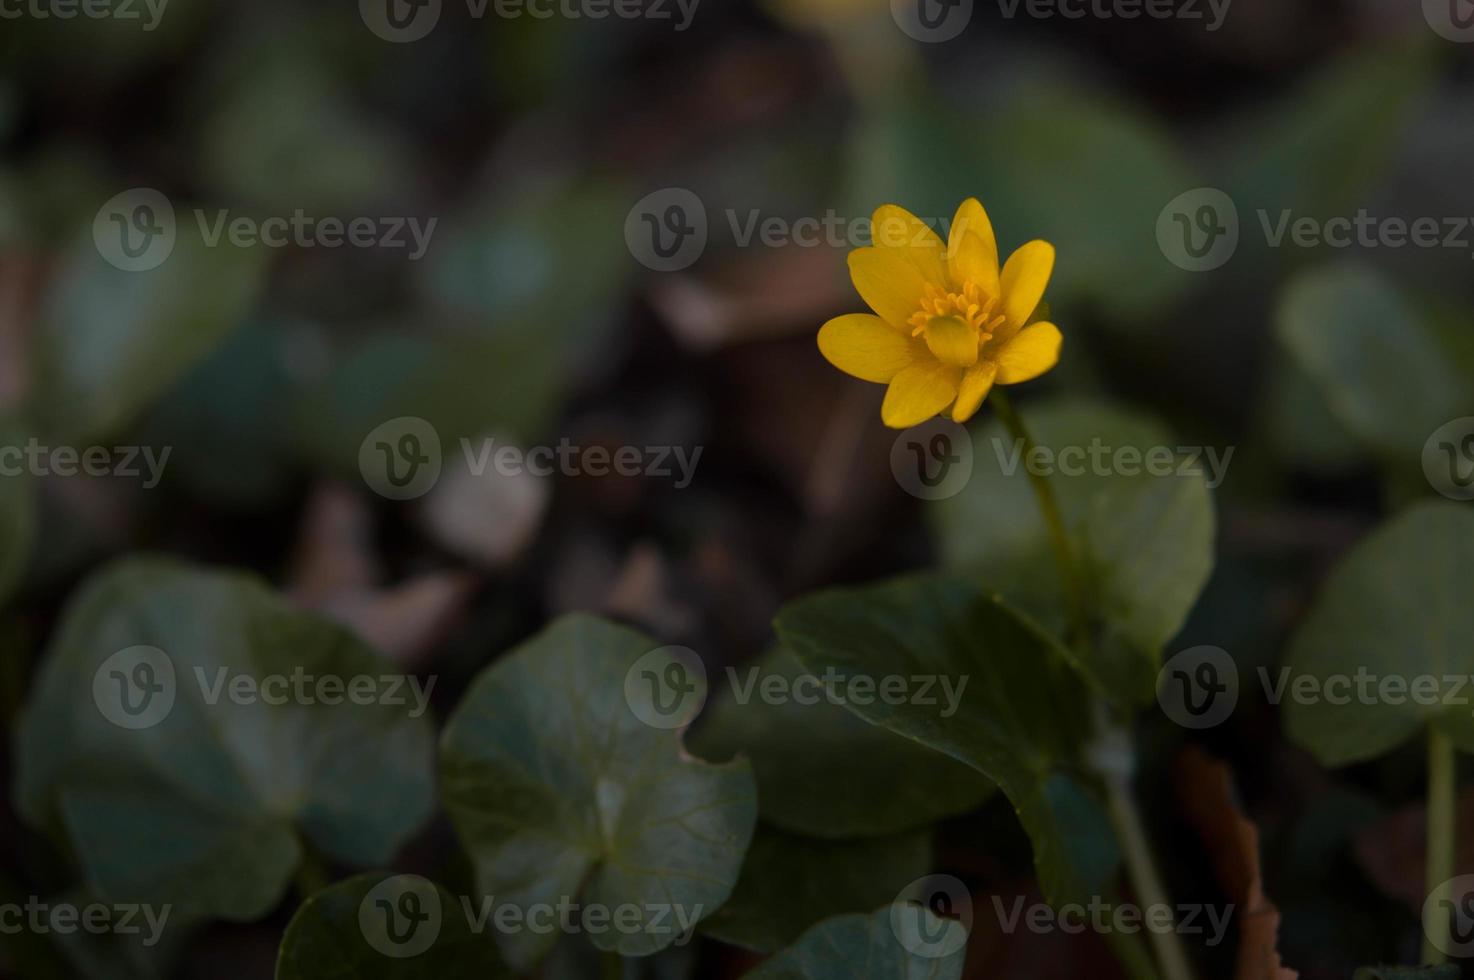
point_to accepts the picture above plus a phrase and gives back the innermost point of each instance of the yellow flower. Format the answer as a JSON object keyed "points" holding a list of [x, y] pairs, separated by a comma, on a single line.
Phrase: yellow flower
{"points": [[950, 325]]}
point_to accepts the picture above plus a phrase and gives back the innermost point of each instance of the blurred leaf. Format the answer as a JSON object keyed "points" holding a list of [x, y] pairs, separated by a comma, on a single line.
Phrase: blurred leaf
{"points": [[1318, 150], [1396, 607], [110, 341], [228, 419], [861, 947], [558, 788], [1021, 719], [548, 258], [823, 772], [1295, 419], [466, 387], [286, 135], [1090, 175], [201, 805], [1146, 539], [789, 883], [393, 927], [1383, 371]]}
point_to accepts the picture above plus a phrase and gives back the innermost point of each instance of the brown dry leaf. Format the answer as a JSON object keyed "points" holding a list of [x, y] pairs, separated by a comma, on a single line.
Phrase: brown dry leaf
{"points": [[335, 572], [1205, 793]]}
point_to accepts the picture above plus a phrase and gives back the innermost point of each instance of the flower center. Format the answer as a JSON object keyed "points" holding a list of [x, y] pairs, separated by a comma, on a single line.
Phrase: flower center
{"points": [[972, 306]]}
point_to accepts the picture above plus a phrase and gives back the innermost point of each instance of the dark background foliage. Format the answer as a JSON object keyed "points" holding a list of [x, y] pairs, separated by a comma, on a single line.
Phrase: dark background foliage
{"points": [[528, 318]]}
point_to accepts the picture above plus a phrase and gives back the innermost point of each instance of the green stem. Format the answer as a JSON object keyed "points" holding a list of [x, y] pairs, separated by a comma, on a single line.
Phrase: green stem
{"points": [[1113, 753], [1059, 537], [1440, 855]]}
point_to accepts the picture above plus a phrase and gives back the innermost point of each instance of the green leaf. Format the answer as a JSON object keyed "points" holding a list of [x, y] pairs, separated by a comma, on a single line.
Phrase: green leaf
{"points": [[558, 789], [823, 772], [1360, 341], [515, 262], [1396, 608], [860, 947], [1089, 173], [285, 134], [466, 387], [789, 883], [1086, 172], [204, 798], [1146, 538], [394, 927], [1318, 150], [1020, 720], [111, 341]]}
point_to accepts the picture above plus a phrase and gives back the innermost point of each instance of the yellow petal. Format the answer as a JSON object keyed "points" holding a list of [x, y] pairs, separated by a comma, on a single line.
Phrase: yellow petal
{"points": [[893, 227], [952, 340], [1034, 351], [866, 346], [977, 262], [919, 392], [974, 388], [1025, 276], [888, 282]]}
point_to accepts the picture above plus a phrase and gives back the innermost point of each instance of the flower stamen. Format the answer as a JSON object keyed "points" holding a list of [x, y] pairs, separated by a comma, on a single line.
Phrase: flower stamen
{"points": [[972, 306]]}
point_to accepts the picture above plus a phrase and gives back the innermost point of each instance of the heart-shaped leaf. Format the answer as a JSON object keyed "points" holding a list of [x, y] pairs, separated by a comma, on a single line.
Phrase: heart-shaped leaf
{"points": [[189, 730], [1389, 646], [110, 341], [862, 947], [823, 772], [394, 927], [1360, 341], [789, 883], [1020, 718], [562, 793], [1139, 513]]}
